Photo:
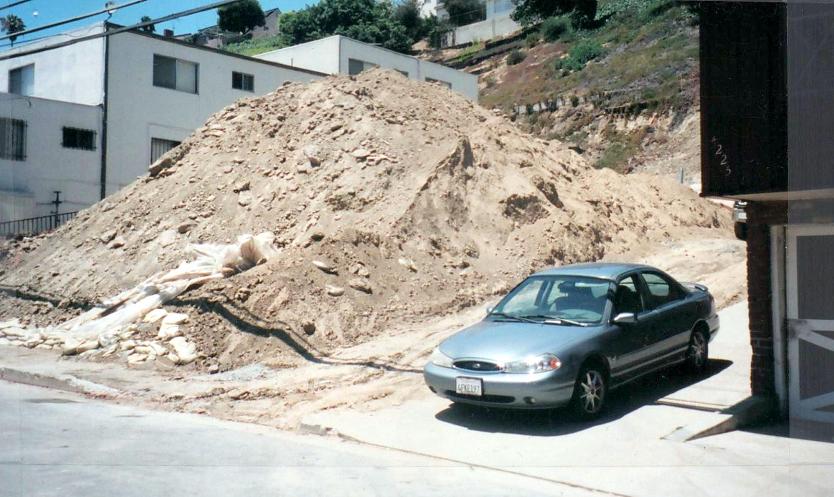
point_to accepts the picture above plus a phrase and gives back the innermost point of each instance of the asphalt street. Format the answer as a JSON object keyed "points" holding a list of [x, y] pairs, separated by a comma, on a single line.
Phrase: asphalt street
{"points": [[59, 444]]}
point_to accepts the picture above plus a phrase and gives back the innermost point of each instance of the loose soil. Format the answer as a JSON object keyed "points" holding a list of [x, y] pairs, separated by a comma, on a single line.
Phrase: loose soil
{"points": [[393, 203]]}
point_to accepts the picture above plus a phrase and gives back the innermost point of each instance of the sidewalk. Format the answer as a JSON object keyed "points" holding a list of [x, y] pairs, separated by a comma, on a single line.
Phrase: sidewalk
{"points": [[637, 448]]}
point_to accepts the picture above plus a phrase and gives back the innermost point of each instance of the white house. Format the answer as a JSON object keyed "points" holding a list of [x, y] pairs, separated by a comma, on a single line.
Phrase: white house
{"points": [[140, 94], [340, 55], [497, 23], [47, 146]]}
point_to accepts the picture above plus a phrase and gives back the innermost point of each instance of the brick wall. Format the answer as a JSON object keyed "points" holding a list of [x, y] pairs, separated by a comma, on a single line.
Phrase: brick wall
{"points": [[760, 216]]}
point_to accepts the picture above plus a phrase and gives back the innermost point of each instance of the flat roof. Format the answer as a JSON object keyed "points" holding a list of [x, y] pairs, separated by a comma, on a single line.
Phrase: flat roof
{"points": [[217, 50]]}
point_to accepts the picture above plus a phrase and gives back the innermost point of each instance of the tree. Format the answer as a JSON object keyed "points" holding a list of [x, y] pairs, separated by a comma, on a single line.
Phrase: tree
{"points": [[240, 17], [529, 12], [150, 28], [370, 21], [407, 13], [12, 24], [463, 12]]}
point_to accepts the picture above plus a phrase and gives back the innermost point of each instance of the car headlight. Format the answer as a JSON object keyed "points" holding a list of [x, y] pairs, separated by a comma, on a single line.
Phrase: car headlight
{"points": [[538, 364], [440, 359]]}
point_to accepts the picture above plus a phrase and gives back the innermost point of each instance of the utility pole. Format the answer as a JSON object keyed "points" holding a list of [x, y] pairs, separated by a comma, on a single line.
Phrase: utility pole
{"points": [[57, 203]]}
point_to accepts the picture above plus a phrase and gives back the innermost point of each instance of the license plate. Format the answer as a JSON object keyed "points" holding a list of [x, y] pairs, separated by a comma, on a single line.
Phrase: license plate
{"points": [[469, 386]]}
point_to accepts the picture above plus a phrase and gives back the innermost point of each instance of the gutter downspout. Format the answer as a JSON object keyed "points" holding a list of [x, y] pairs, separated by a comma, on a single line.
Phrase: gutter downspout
{"points": [[103, 179]]}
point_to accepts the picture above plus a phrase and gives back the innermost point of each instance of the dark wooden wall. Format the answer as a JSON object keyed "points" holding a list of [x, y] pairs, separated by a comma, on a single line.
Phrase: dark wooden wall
{"points": [[743, 98]]}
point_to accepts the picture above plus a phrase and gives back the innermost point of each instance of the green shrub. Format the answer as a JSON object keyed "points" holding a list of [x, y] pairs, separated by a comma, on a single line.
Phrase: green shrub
{"points": [[554, 27], [532, 39], [581, 53], [515, 57], [574, 101]]}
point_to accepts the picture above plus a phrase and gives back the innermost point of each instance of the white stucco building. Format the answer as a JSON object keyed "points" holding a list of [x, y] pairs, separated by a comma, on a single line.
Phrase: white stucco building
{"points": [[340, 55], [497, 23], [138, 94], [47, 146]]}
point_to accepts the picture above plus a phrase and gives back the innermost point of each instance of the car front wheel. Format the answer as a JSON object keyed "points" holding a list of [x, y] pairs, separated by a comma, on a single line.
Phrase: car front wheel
{"points": [[590, 393]]}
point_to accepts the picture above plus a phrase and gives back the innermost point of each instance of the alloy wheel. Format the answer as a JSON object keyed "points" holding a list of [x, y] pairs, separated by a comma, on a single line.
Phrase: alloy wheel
{"points": [[592, 392], [698, 350]]}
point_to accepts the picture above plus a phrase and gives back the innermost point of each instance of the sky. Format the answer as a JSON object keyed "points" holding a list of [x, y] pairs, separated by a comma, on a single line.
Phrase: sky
{"points": [[40, 12]]}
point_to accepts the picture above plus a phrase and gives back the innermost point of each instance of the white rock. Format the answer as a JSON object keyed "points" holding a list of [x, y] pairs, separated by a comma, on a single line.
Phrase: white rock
{"points": [[334, 291], [408, 263], [87, 345], [324, 266], [174, 318], [186, 351], [155, 315], [158, 348], [168, 331], [360, 153], [127, 345], [136, 358], [14, 332], [143, 349], [5, 341], [70, 346], [12, 323]]}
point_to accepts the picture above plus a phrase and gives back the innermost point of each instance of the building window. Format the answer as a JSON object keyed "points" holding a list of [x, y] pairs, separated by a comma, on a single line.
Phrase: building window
{"points": [[175, 74], [444, 83], [355, 66], [22, 80], [12, 139], [160, 146], [84, 139], [241, 81]]}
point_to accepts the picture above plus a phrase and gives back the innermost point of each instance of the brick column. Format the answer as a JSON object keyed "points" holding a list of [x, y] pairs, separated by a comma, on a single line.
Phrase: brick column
{"points": [[759, 307]]}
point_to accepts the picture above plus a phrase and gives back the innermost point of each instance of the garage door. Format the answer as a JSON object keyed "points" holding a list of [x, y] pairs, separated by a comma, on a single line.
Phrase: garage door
{"points": [[810, 312]]}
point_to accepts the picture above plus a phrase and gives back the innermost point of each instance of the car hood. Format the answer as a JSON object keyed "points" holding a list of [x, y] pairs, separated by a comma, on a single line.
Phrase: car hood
{"points": [[502, 341]]}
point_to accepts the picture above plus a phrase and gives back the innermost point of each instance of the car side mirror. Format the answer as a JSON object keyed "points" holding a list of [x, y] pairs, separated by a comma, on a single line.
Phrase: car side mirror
{"points": [[625, 318], [489, 310]]}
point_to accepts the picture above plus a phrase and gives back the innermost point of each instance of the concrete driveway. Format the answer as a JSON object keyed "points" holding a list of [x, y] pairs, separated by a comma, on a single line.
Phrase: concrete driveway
{"points": [[633, 450]]}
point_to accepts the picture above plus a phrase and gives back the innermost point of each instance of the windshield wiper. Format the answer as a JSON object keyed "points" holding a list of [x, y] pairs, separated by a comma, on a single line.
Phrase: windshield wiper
{"points": [[557, 320], [512, 316]]}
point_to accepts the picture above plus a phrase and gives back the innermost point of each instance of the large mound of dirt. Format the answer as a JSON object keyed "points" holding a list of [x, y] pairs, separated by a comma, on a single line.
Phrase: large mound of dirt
{"points": [[390, 200]]}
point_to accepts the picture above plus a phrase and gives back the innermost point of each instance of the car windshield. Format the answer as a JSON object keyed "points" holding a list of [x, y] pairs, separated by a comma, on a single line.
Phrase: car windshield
{"points": [[574, 299]]}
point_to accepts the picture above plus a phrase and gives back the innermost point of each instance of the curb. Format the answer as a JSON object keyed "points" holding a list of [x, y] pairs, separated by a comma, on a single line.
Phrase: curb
{"points": [[750, 411], [66, 383]]}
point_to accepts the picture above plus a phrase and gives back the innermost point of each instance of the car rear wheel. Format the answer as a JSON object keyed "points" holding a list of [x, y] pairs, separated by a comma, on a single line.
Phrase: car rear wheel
{"points": [[589, 393], [697, 355]]}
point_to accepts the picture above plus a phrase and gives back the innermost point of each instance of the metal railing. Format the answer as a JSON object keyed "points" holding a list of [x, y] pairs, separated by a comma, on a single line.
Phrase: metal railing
{"points": [[34, 225]]}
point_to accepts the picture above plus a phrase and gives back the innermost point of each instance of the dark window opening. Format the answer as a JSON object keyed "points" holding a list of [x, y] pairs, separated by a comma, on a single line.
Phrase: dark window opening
{"points": [[84, 139], [175, 74], [241, 81], [12, 139], [159, 146]]}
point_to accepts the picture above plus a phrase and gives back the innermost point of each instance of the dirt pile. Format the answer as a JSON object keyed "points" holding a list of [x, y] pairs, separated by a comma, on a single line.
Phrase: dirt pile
{"points": [[391, 201]]}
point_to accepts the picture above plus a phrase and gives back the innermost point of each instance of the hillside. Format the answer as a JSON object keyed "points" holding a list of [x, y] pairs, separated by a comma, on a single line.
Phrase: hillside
{"points": [[631, 107]]}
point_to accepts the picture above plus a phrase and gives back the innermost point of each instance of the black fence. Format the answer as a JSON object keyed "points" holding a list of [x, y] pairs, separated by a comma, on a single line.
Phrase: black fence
{"points": [[34, 225]]}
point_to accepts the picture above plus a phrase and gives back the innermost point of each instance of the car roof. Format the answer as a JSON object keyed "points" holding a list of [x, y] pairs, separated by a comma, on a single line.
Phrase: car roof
{"points": [[602, 270]]}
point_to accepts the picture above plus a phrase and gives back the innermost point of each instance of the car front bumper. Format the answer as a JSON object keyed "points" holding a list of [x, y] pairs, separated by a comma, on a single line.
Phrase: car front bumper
{"points": [[516, 391]]}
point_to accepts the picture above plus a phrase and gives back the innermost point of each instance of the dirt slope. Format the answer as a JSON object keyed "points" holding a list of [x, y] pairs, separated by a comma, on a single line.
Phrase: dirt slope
{"points": [[392, 201]]}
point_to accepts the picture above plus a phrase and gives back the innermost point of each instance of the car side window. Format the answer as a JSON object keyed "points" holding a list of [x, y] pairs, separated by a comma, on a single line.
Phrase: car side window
{"points": [[627, 297], [661, 290]]}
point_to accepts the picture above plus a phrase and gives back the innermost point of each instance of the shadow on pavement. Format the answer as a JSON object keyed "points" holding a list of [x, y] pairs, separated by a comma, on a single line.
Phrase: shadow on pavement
{"points": [[555, 422]]}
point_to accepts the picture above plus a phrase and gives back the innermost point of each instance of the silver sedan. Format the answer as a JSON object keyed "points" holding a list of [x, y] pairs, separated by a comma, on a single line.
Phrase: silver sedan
{"points": [[567, 336]]}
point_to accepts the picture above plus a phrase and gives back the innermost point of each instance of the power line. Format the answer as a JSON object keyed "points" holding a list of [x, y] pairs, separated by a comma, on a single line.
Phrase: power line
{"points": [[67, 21], [10, 5], [118, 30]]}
